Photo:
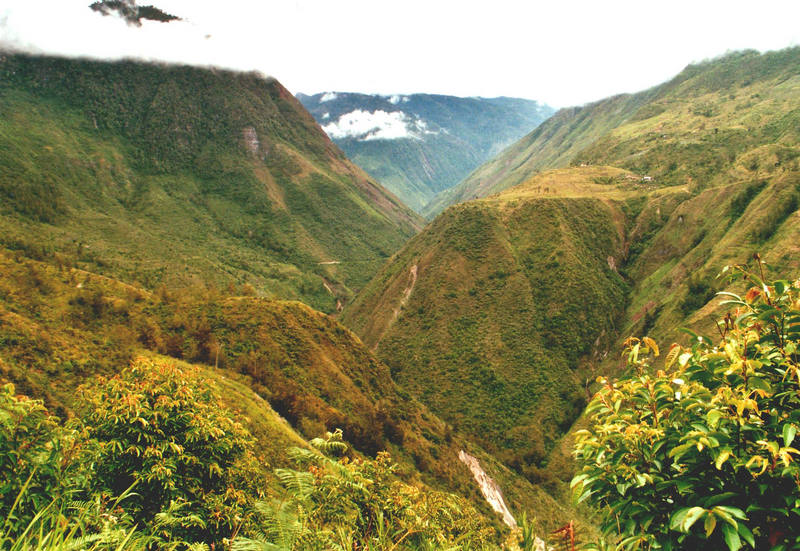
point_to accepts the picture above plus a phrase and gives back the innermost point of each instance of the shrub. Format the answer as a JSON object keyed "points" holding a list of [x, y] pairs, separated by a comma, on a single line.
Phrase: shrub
{"points": [[36, 458], [359, 504], [710, 437], [164, 429]]}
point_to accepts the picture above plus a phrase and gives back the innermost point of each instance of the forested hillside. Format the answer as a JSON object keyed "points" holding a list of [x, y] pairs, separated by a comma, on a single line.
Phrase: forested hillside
{"points": [[180, 175], [568, 263], [723, 120]]}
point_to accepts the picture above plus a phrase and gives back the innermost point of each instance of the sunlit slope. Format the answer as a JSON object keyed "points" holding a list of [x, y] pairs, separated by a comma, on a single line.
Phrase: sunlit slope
{"points": [[732, 117], [679, 247], [490, 314], [292, 371], [164, 174]]}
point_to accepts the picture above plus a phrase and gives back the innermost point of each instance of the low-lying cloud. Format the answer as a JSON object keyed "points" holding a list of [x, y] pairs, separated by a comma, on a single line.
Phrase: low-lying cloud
{"points": [[377, 125]]}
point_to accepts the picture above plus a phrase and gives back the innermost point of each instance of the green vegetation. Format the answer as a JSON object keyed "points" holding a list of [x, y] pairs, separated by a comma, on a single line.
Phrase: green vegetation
{"points": [[164, 431], [489, 315], [702, 452], [193, 483], [341, 504], [451, 339], [729, 119], [177, 175], [148, 211]]}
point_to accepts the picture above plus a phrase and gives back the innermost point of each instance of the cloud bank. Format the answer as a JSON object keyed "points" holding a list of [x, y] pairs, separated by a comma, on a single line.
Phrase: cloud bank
{"points": [[561, 53], [377, 125]]}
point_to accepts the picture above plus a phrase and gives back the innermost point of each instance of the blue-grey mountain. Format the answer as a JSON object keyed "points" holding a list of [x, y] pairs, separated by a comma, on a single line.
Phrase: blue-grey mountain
{"points": [[418, 145]]}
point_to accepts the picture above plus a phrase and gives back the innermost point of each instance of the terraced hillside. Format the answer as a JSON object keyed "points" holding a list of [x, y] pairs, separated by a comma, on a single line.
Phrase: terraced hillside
{"points": [[180, 175], [727, 119]]}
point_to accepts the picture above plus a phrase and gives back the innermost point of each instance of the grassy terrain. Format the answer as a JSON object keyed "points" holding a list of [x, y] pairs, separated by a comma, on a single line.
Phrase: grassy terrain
{"points": [[178, 175], [730, 118], [291, 371]]}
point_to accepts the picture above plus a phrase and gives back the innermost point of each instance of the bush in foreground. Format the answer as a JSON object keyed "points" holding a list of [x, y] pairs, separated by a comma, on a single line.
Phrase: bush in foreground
{"points": [[703, 453]]}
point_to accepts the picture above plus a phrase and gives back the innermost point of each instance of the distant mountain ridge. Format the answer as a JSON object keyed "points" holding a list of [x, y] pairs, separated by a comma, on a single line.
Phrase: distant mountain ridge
{"points": [[420, 144]]}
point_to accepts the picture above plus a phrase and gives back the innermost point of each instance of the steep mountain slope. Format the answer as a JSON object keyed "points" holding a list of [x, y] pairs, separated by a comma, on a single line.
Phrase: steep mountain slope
{"points": [[504, 309], [272, 361], [705, 126], [417, 145], [489, 314], [176, 175], [501, 313]]}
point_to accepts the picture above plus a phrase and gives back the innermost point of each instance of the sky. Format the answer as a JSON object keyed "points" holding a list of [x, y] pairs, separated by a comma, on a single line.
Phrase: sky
{"points": [[561, 52]]}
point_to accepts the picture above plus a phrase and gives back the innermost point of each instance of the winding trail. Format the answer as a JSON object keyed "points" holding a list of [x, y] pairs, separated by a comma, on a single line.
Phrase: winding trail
{"points": [[403, 301]]}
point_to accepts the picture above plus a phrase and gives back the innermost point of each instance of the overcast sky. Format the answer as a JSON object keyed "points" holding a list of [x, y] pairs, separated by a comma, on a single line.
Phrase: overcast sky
{"points": [[562, 52]]}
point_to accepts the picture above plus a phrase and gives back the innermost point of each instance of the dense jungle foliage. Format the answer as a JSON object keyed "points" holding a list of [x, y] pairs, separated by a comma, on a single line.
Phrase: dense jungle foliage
{"points": [[155, 460], [701, 451]]}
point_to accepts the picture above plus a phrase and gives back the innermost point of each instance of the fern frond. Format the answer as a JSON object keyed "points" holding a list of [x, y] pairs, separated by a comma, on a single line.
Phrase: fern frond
{"points": [[299, 484]]}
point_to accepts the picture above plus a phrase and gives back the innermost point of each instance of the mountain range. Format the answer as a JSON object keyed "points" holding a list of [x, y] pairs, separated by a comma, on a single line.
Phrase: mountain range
{"points": [[420, 144], [202, 217]]}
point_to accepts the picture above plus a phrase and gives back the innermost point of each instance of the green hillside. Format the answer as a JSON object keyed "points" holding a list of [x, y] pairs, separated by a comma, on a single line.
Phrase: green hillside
{"points": [[730, 118], [292, 372], [501, 313], [488, 314], [179, 175]]}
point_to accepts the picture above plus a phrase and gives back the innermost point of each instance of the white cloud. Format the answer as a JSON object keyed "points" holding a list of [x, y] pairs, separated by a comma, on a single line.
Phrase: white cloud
{"points": [[562, 53], [328, 96], [326, 116], [377, 125]]}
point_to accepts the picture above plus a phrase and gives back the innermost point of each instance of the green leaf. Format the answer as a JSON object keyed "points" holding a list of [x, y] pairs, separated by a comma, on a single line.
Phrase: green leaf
{"points": [[747, 535], [731, 537], [758, 383], [733, 511], [713, 417], [710, 524], [679, 451], [789, 432], [722, 458], [677, 518], [693, 515]]}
